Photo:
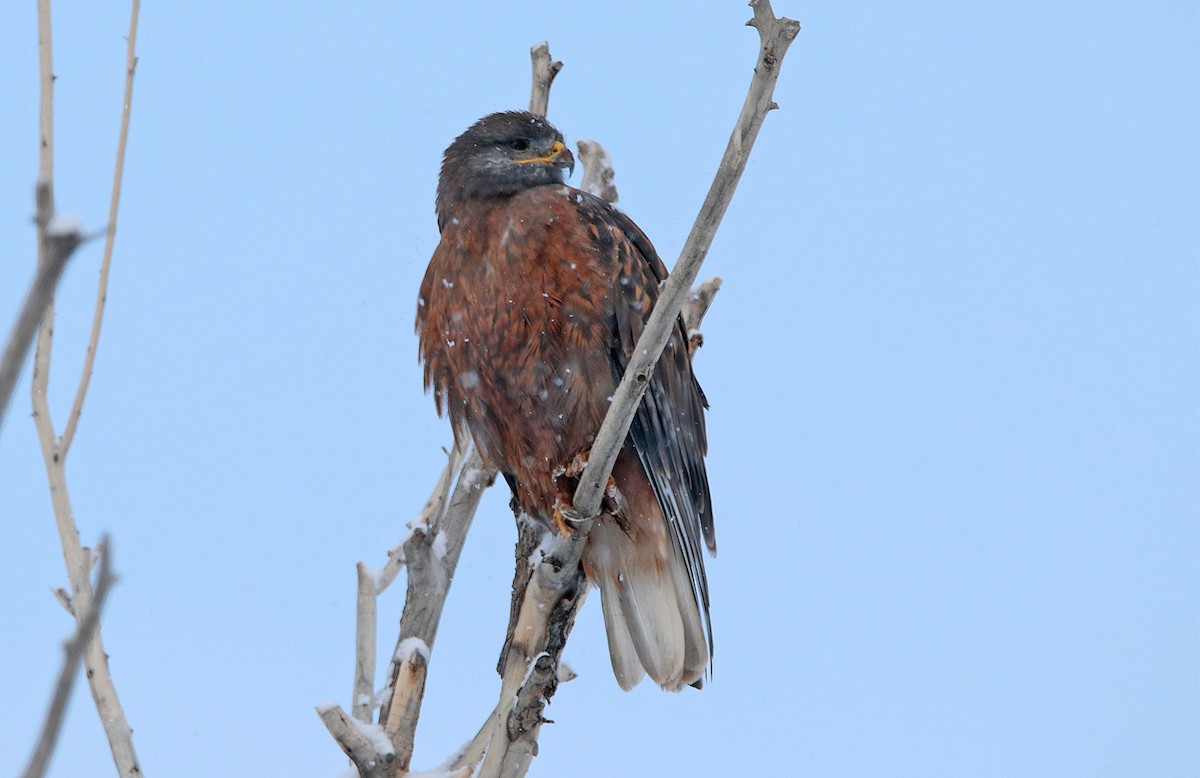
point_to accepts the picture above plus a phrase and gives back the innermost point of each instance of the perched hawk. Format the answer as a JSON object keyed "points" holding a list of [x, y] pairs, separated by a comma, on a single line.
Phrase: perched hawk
{"points": [[527, 317]]}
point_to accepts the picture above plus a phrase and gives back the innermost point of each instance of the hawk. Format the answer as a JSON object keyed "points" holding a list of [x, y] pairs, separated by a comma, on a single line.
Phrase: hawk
{"points": [[527, 317]]}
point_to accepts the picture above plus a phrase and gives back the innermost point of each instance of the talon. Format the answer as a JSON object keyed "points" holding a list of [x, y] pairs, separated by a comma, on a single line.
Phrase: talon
{"points": [[564, 517], [614, 493]]}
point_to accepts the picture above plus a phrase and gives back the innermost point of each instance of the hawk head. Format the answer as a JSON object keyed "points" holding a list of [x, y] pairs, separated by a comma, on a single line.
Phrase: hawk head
{"points": [[498, 156]]}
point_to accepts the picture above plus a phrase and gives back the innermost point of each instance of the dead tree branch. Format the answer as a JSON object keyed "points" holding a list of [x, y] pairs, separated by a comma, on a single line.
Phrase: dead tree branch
{"points": [[430, 553], [776, 35], [89, 359], [545, 68], [432, 557], [54, 449], [39, 761]]}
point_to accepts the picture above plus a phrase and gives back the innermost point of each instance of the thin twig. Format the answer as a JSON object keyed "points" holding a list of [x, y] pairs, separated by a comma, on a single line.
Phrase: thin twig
{"points": [[39, 761], [68, 436], [694, 309]]}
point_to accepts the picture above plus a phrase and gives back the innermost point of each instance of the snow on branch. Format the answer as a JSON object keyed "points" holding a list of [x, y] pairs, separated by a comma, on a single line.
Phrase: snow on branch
{"points": [[430, 553]]}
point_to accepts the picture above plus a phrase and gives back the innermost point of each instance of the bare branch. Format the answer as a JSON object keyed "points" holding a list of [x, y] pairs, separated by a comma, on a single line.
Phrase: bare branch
{"points": [[545, 69], [78, 560], [46, 97], [39, 761], [431, 552], [598, 171], [350, 735], [776, 35], [555, 593], [364, 644], [89, 359], [432, 557]]}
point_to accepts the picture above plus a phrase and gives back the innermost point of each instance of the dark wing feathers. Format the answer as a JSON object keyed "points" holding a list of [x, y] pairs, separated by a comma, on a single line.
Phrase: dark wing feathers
{"points": [[668, 430]]}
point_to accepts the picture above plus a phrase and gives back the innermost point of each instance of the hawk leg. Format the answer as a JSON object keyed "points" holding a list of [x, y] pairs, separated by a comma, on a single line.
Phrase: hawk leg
{"points": [[563, 515]]}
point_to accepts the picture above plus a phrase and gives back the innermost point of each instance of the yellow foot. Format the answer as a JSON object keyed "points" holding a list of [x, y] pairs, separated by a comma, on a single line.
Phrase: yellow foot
{"points": [[564, 517]]}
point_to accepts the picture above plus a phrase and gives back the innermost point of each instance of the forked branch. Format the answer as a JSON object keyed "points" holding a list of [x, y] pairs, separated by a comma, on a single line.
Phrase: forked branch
{"points": [[54, 449]]}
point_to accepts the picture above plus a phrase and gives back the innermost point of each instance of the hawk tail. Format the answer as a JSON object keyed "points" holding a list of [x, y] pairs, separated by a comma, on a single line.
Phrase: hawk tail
{"points": [[651, 615]]}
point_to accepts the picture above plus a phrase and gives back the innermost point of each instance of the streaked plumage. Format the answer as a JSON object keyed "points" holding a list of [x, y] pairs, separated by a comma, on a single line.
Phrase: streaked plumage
{"points": [[527, 317]]}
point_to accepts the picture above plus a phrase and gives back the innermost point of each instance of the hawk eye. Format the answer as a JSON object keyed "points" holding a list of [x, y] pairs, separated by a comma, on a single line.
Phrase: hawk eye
{"points": [[520, 144]]}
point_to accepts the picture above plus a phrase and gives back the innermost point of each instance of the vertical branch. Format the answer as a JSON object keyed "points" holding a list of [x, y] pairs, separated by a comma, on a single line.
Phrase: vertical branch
{"points": [[361, 703], [598, 173], [45, 199], [78, 559], [545, 68], [46, 97]]}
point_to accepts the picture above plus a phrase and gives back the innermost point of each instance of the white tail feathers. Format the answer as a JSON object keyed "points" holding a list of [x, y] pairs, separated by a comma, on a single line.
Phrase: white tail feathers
{"points": [[650, 612]]}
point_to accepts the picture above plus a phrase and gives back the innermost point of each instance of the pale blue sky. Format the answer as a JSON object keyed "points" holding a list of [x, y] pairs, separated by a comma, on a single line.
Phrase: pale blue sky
{"points": [[953, 374]]}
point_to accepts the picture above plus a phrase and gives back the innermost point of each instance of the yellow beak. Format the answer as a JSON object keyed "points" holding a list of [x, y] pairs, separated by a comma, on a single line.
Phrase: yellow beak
{"points": [[559, 156]]}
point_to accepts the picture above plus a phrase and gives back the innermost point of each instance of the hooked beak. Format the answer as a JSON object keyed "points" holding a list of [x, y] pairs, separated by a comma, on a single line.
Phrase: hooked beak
{"points": [[559, 156]]}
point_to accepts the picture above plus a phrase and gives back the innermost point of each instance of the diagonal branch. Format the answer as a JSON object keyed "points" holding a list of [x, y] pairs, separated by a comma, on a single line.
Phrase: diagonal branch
{"points": [[68, 435], [432, 557], [776, 35]]}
